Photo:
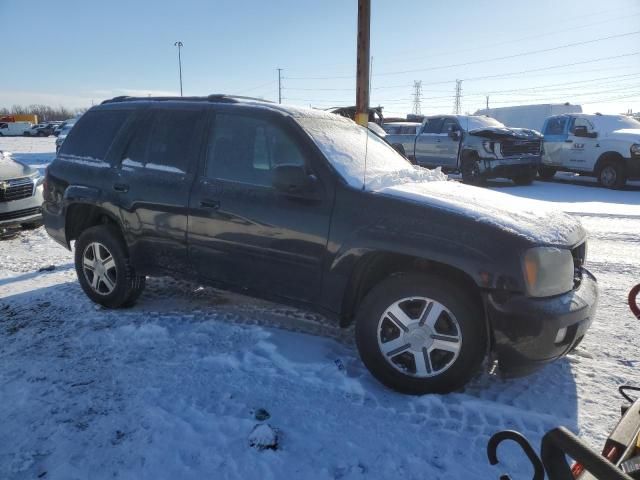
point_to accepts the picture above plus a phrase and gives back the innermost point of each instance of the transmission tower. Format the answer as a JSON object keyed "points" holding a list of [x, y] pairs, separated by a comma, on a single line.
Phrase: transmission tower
{"points": [[457, 106], [417, 93]]}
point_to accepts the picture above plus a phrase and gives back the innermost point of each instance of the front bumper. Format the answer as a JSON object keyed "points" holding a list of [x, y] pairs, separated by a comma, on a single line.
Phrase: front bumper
{"points": [[525, 328], [509, 167], [25, 210]]}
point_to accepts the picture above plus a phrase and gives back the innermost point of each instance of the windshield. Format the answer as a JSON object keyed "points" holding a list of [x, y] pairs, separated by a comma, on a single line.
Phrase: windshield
{"points": [[473, 123], [345, 143]]}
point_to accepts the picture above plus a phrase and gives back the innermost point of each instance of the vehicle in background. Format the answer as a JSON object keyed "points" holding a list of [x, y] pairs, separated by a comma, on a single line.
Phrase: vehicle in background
{"points": [[20, 195], [40, 130], [63, 132], [528, 116], [60, 126], [310, 209], [478, 147], [12, 129], [402, 128], [20, 117], [375, 113], [46, 129], [604, 146]]}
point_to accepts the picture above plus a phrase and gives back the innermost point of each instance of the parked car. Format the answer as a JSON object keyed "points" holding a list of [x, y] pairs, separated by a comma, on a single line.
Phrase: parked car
{"points": [[307, 208], [604, 146], [64, 131], [478, 147], [20, 195], [13, 129], [41, 130], [402, 128]]}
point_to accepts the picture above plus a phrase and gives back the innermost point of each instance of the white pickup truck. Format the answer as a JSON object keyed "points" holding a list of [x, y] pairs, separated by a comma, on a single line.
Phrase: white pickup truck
{"points": [[8, 129], [604, 146]]}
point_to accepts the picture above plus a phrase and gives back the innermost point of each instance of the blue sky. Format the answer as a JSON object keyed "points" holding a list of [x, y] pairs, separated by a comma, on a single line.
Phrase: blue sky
{"points": [[75, 52]]}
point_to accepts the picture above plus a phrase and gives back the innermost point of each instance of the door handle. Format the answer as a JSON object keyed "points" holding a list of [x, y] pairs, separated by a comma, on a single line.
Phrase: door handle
{"points": [[206, 203], [121, 187], [568, 141]]}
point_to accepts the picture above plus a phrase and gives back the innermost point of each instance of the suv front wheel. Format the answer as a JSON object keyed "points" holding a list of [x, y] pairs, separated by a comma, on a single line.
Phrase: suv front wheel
{"points": [[104, 270], [420, 334]]}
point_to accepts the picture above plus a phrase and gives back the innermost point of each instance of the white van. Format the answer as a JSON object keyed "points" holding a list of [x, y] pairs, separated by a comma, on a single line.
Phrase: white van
{"points": [[12, 129], [604, 146]]}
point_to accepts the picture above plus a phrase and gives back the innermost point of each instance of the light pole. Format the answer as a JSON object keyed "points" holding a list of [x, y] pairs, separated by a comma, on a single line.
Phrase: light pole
{"points": [[179, 45]]}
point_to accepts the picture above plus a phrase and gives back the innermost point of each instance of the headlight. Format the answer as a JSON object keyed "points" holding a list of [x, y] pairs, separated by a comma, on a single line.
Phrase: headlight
{"points": [[488, 146], [548, 271], [635, 149]]}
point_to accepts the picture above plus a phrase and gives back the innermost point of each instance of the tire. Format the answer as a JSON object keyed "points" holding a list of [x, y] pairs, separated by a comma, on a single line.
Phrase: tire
{"points": [[440, 370], [524, 179], [117, 285], [470, 169], [546, 173], [612, 174]]}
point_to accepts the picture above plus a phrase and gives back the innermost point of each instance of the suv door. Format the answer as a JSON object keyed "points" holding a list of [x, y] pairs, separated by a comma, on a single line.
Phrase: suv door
{"points": [[427, 142], [155, 175], [448, 147], [244, 232], [555, 135]]}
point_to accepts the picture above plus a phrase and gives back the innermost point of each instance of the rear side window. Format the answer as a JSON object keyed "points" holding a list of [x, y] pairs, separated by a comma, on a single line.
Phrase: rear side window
{"points": [[555, 126], [245, 149], [166, 141], [93, 134]]}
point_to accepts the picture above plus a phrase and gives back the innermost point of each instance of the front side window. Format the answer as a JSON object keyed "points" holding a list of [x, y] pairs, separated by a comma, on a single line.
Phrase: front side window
{"points": [[433, 125], [94, 133], [449, 124], [555, 126], [246, 149], [581, 122]]}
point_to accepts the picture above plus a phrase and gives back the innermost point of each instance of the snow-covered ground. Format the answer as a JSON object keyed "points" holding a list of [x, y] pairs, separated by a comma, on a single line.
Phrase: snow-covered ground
{"points": [[170, 388]]}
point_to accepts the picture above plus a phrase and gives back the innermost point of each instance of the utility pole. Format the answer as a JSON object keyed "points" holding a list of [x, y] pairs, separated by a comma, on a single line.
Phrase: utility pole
{"points": [[457, 105], [179, 44], [487, 102], [279, 85], [362, 69], [417, 93]]}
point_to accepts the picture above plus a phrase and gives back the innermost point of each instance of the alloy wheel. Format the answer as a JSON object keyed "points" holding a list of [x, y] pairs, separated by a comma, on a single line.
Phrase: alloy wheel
{"points": [[99, 268], [419, 336], [608, 176]]}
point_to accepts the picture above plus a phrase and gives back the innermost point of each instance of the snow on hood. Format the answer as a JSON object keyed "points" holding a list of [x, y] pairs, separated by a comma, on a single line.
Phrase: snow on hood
{"points": [[530, 219], [631, 134], [10, 168], [505, 132]]}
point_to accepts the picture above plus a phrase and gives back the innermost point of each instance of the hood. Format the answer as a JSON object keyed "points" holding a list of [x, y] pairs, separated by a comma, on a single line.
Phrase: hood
{"points": [[530, 219], [10, 168], [496, 133], [626, 134]]}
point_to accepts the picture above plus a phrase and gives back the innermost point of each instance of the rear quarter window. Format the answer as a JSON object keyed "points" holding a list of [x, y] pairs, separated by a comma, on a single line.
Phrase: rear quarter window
{"points": [[93, 134]]}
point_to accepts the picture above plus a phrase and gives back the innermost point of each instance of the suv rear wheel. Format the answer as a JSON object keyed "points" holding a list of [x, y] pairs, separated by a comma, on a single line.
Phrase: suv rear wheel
{"points": [[104, 270], [546, 173], [420, 334]]}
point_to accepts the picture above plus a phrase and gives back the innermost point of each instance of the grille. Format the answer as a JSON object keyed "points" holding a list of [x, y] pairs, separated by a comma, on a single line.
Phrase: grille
{"points": [[16, 189], [579, 255], [511, 148], [27, 212]]}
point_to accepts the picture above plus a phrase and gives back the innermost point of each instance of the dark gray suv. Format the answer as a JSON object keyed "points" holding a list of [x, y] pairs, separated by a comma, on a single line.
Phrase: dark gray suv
{"points": [[307, 208]]}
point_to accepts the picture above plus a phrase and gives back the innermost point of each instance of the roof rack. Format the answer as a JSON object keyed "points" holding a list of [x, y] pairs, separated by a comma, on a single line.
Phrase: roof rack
{"points": [[216, 97]]}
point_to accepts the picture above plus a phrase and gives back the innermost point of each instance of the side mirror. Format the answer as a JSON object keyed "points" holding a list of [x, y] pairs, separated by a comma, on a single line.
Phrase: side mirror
{"points": [[581, 131], [454, 134], [291, 179]]}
